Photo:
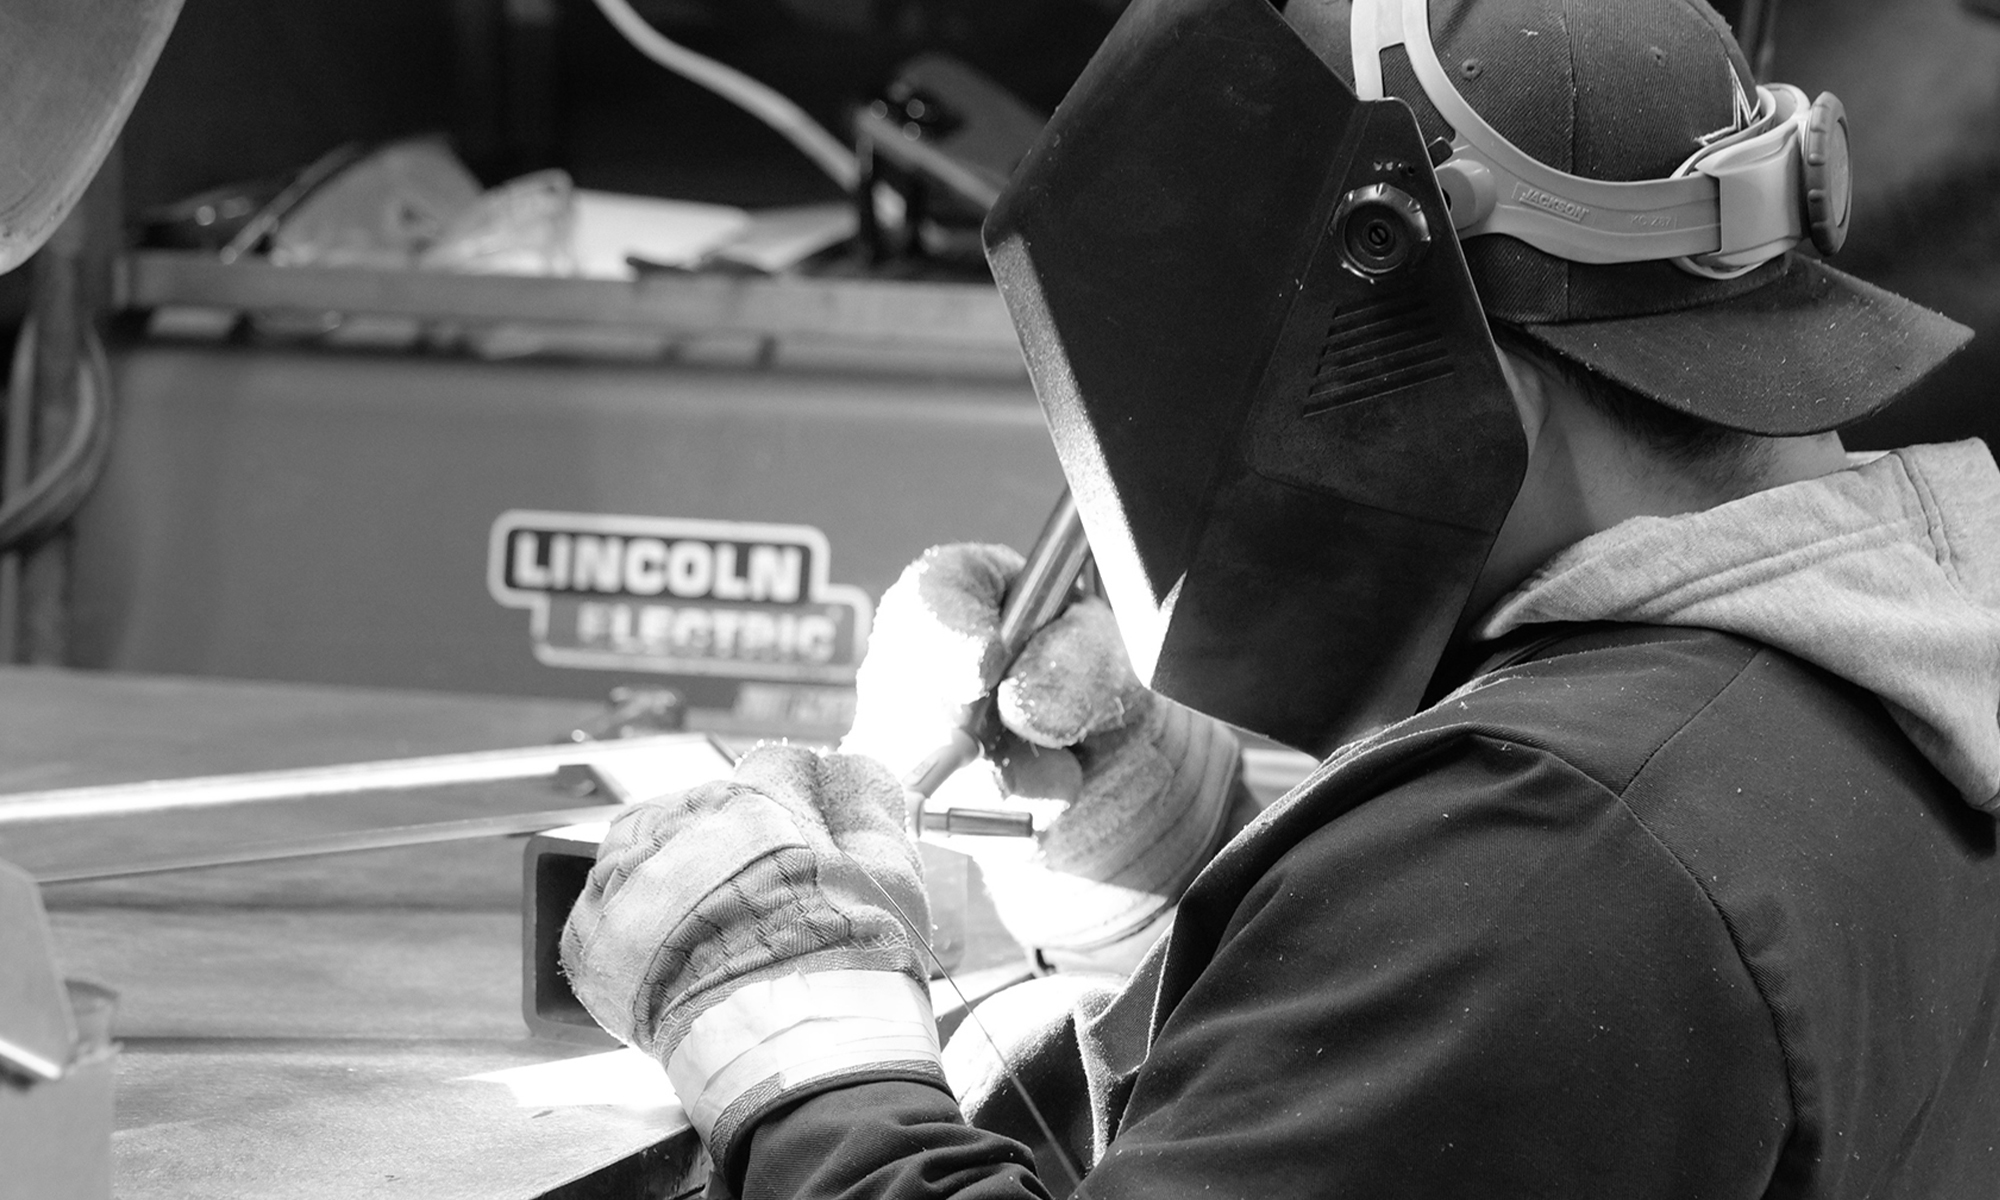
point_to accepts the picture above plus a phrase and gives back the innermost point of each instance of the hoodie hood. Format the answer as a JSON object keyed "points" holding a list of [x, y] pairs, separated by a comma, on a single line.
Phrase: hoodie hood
{"points": [[1886, 574]]}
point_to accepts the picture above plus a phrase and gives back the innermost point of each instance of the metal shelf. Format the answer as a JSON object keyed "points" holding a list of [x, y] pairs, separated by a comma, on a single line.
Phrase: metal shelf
{"points": [[928, 315]]}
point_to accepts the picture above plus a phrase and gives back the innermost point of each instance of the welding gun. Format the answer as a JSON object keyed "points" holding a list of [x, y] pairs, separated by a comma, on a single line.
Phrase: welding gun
{"points": [[1036, 597]]}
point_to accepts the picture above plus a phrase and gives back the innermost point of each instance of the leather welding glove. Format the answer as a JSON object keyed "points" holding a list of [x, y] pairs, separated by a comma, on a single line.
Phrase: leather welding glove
{"points": [[1144, 790], [747, 934]]}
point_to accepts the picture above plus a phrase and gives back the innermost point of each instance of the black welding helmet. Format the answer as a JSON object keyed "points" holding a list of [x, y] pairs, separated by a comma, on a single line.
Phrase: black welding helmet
{"points": [[1268, 378], [1235, 262]]}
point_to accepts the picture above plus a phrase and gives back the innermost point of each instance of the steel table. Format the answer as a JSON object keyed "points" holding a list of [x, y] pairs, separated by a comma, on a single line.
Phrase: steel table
{"points": [[318, 1027]]}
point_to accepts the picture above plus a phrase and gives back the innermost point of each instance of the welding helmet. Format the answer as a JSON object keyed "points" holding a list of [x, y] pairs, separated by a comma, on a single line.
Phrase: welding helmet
{"points": [[1252, 261], [70, 71]]}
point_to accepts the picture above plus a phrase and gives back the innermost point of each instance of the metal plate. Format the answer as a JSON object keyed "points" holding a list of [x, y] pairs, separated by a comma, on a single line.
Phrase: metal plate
{"points": [[37, 1032]]}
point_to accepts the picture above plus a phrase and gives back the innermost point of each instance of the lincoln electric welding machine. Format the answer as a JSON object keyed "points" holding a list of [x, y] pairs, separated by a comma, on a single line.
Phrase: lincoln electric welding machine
{"points": [[1268, 377]]}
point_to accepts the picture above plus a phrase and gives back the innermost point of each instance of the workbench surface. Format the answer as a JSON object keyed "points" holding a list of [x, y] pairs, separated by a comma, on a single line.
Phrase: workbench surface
{"points": [[314, 1027]]}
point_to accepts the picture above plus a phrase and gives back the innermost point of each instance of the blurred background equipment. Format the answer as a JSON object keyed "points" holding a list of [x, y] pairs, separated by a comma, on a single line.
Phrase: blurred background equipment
{"points": [[673, 321], [945, 139], [70, 74], [765, 103]]}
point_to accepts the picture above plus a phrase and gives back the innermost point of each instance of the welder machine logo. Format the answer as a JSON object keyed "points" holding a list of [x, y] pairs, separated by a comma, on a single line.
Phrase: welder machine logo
{"points": [[682, 597]]}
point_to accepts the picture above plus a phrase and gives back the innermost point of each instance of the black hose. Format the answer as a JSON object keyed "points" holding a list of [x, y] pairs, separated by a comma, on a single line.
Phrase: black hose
{"points": [[60, 488]]}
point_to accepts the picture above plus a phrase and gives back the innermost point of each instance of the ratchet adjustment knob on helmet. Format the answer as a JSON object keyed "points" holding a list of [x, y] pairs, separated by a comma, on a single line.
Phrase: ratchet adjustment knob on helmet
{"points": [[1381, 229], [1829, 177]]}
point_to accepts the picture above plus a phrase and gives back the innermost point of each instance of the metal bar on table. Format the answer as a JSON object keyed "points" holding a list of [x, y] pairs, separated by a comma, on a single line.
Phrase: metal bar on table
{"points": [[469, 829], [973, 822], [303, 783]]}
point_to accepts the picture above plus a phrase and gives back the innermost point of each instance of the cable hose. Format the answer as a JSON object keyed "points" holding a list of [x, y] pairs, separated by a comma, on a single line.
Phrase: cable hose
{"points": [[60, 488], [757, 98], [768, 105]]}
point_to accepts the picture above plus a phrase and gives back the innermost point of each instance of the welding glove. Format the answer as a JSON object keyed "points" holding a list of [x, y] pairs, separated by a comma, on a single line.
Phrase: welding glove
{"points": [[1142, 790], [753, 935]]}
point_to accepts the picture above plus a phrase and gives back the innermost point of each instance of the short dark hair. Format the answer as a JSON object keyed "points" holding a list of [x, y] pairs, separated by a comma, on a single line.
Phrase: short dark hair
{"points": [[1725, 459]]}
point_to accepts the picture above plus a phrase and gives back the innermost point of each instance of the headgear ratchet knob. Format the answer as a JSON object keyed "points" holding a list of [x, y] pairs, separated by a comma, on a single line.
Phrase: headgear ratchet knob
{"points": [[1381, 229], [1829, 176]]}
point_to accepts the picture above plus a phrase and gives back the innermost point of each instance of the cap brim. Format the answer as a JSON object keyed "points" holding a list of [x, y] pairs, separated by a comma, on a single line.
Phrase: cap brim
{"points": [[1812, 350]]}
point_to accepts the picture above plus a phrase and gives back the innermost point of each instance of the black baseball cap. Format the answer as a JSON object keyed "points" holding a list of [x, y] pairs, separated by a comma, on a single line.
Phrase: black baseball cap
{"points": [[1624, 90]]}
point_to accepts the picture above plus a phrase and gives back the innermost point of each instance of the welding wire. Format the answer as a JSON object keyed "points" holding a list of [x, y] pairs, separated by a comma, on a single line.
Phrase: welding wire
{"points": [[1069, 1165], [312, 846]]}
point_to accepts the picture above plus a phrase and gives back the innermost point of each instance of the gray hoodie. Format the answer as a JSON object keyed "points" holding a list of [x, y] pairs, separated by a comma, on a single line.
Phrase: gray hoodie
{"points": [[1886, 574]]}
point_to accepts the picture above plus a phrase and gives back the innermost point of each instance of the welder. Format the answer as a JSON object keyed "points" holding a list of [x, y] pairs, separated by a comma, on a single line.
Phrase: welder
{"points": [[1653, 852]]}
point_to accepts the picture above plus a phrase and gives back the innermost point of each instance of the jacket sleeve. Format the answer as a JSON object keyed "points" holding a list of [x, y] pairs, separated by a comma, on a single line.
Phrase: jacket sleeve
{"points": [[1488, 980], [893, 1140]]}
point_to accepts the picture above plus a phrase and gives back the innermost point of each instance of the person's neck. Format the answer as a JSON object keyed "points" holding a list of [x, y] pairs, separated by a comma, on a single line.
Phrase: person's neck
{"points": [[1586, 475]]}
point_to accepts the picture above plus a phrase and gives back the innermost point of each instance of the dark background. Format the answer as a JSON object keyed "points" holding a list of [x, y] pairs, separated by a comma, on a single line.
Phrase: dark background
{"points": [[246, 87]]}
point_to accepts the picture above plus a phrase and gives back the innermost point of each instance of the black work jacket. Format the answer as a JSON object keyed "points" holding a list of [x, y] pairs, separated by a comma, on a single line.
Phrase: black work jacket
{"points": [[1639, 913]]}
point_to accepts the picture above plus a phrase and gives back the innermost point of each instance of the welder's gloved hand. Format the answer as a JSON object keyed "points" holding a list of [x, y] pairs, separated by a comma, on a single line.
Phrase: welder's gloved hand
{"points": [[733, 933], [1146, 788]]}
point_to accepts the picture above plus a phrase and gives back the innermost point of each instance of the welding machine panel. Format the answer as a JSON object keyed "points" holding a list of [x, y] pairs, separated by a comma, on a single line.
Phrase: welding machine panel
{"points": [[536, 528]]}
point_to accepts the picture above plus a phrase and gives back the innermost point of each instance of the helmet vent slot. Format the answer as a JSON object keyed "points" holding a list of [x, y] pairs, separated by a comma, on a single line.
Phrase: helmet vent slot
{"points": [[1374, 349]]}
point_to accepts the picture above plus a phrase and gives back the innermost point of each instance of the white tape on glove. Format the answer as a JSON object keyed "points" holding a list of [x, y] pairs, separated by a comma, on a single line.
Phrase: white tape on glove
{"points": [[778, 1038], [750, 934]]}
